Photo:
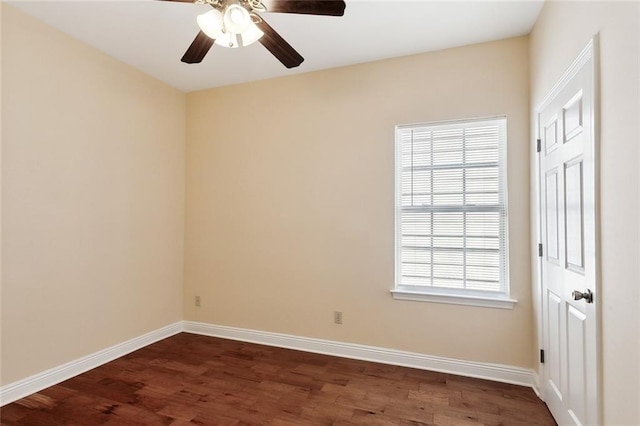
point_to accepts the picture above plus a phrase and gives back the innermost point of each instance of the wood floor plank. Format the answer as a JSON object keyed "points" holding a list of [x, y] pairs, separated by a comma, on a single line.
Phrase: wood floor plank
{"points": [[190, 379]]}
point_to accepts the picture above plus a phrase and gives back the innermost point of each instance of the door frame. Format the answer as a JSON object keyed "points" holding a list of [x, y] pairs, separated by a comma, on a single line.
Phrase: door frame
{"points": [[591, 50]]}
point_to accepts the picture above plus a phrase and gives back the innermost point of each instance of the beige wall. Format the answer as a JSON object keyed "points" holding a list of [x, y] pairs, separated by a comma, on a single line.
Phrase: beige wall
{"points": [[561, 32], [1, 6], [92, 199], [290, 203]]}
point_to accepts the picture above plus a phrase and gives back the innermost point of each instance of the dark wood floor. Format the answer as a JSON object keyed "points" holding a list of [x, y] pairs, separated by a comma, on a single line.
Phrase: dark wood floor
{"points": [[191, 379]]}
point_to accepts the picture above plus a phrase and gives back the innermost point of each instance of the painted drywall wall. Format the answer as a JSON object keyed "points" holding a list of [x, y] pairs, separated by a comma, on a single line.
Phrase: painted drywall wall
{"points": [[1, 6], [92, 199], [290, 202], [559, 35]]}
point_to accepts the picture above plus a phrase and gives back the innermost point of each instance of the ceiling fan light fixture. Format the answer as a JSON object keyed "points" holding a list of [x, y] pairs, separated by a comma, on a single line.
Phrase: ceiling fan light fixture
{"points": [[236, 23], [227, 40], [233, 40], [233, 28]]}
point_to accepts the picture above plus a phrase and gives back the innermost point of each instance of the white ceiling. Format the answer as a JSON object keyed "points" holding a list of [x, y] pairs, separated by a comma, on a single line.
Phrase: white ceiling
{"points": [[153, 35]]}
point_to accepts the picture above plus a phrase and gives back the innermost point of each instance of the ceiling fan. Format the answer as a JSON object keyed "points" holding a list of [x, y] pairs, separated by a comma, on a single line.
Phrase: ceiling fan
{"points": [[236, 23]]}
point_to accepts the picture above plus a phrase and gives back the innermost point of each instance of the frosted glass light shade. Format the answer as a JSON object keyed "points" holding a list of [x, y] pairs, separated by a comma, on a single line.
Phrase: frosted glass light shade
{"points": [[211, 23], [236, 18], [251, 34]]}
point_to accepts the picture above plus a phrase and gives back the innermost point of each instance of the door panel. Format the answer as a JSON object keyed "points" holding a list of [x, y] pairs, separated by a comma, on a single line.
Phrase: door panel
{"points": [[552, 214], [554, 344], [572, 117], [551, 134], [574, 209], [568, 220], [576, 327]]}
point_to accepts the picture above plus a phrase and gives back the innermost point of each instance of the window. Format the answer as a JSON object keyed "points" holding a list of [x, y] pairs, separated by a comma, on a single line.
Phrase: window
{"points": [[451, 213]]}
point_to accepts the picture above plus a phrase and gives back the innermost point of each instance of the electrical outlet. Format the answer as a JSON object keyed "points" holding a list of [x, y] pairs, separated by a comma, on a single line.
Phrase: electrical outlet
{"points": [[337, 317], [198, 301]]}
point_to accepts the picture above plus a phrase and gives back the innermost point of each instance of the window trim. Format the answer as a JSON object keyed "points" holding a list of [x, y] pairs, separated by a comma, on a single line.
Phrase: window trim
{"points": [[455, 299], [446, 295]]}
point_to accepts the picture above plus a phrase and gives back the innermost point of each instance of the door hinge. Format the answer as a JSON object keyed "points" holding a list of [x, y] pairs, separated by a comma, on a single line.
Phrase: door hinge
{"points": [[540, 250], [541, 356], [538, 145]]}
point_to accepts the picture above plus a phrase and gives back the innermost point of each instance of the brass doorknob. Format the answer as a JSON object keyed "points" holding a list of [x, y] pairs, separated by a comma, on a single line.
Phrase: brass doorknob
{"points": [[587, 295]]}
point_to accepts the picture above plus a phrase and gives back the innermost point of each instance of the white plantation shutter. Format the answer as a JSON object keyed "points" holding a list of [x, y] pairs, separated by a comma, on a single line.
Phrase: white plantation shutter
{"points": [[451, 208]]}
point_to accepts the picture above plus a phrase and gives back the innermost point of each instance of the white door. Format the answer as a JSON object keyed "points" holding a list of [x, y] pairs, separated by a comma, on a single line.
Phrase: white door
{"points": [[568, 234]]}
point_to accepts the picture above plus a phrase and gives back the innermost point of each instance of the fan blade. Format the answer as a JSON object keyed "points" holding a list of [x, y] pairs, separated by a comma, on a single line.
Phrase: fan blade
{"points": [[198, 49], [278, 46], [307, 7]]}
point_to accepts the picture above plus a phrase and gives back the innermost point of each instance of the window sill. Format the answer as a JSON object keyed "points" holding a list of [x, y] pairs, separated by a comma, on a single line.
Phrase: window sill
{"points": [[485, 302]]}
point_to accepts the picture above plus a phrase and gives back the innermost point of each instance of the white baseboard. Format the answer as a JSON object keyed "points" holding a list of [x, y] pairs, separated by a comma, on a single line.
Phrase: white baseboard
{"points": [[495, 372], [536, 383], [37, 382]]}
